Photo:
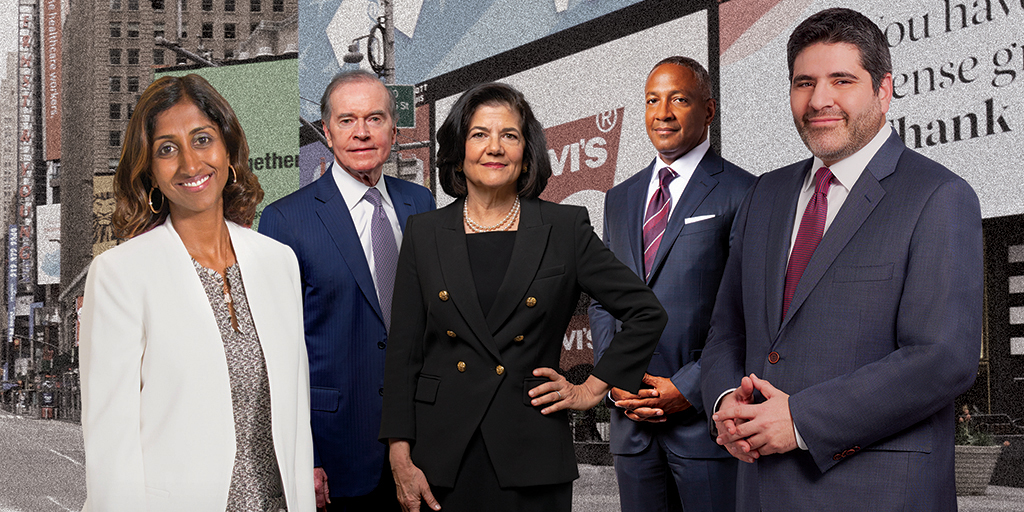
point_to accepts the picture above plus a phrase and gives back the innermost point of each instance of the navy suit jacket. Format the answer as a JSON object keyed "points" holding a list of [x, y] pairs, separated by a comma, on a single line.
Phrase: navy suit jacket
{"points": [[345, 334], [883, 332], [687, 271]]}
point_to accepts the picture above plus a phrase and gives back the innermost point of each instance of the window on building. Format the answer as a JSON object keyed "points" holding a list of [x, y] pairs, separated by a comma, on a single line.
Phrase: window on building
{"points": [[253, 26], [115, 111], [131, 107], [158, 29], [207, 31], [228, 55], [158, 5], [158, 57], [278, 5], [184, 4], [133, 29], [115, 5], [184, 30], [133, 84], [115, 138], [229, 5], [133, 56], [254, 5], [133, 5], [229, 31], [115, 84], [115, 56], [181, 59], [112, 163], [115, 29], [207, 5]]}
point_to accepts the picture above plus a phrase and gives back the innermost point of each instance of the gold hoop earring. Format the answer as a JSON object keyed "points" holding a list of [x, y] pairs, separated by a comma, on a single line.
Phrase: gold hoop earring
{"points": [[526, 168], [458, 169], [234, 176], [151, 208]]}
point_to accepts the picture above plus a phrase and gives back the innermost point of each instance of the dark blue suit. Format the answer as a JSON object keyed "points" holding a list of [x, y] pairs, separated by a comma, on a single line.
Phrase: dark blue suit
{"points": [[685, 277], [345, 334], [882, 334]]}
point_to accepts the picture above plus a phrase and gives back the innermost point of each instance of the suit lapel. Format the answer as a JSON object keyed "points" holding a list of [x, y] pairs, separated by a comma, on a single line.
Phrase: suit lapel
{"points": [[780, 231], [531, 242], [453, 254], [636, 208], [863, 198], [334, 213], [701, 183], [403, 206]]}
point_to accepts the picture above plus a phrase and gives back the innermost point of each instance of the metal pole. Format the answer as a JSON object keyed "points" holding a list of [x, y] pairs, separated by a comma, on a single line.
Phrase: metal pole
{"points": [[389, 41]]}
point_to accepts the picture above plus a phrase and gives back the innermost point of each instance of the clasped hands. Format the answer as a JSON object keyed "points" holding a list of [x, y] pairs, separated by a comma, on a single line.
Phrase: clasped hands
{"points": [[750, 430], [652, 404]]}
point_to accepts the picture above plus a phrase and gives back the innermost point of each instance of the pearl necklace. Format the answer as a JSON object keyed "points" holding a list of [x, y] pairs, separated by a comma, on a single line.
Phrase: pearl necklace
{"points": [[504, 225]]}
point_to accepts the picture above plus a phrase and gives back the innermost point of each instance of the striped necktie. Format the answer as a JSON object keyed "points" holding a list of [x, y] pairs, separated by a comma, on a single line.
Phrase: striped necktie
{"points": [[656, 219], [385, 253], [812, 226]]}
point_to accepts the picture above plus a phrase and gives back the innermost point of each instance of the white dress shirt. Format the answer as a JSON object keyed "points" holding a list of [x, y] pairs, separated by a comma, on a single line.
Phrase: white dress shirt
{"points": [[353, 190], [684, 167]]}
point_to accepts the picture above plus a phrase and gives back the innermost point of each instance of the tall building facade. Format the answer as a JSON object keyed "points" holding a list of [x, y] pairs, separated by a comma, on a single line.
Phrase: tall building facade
{"points": [[111, 50]]}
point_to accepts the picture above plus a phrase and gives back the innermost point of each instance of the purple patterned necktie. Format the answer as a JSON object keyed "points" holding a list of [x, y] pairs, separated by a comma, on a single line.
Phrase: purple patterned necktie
{"points": [[812, 226], [657, 218], [385, 254]]}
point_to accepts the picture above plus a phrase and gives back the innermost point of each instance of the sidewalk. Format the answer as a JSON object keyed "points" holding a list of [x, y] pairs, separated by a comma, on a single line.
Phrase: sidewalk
{"points": [[596, 491]]}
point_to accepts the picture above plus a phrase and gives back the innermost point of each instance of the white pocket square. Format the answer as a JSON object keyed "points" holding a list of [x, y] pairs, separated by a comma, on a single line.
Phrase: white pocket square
{"points": [[691, 220]]}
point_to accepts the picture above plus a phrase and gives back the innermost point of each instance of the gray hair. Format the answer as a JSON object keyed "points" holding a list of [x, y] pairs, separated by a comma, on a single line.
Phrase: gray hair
{"points": [[348, 77]]}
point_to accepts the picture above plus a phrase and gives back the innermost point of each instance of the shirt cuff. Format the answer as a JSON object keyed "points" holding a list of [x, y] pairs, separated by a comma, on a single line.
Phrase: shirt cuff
{"points": [[799, 440], [720, 397]]}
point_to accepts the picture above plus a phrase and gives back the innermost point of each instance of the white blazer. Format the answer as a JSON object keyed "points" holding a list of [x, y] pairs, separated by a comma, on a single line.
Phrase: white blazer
{"points": [[156, 400]]}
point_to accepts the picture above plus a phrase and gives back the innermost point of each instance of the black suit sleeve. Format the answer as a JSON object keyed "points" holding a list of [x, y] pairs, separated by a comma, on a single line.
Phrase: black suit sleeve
{"points": [[621, 292], [404, 357]]}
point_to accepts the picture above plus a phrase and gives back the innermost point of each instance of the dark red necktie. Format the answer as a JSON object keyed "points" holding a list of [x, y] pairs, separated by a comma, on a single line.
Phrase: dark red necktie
{"points": [[657, 218], [812, 225]]}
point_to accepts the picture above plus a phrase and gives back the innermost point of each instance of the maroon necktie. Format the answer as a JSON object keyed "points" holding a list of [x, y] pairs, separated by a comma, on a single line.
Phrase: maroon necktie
{"points": [[812, 225], [657, 218]]}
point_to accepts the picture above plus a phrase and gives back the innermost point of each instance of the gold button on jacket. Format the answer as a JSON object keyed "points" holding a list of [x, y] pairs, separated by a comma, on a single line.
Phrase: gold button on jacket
{"points": [[461, 366], [531, 302], [499, 370], [518, 338], [443, 295], [451, 334]]}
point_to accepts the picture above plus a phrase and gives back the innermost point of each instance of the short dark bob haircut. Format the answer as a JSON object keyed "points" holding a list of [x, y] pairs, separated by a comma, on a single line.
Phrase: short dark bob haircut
{"points": [[839, 25], [451, 140], [133, 179]]}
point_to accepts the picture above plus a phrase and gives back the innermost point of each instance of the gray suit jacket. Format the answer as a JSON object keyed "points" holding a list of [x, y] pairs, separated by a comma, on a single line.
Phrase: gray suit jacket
{"points": [[882, 334]]}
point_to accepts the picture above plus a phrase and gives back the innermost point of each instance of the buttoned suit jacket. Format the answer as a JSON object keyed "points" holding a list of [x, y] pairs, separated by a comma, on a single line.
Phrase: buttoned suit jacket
{"points": [[157, 413], [344, 329], [883, 332], [438, 403], [686, 273]]}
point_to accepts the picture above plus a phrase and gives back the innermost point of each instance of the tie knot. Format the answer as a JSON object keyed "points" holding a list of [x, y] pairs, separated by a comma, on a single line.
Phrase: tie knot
{"points": [[373, 196], [822, 180], [666, 175]]}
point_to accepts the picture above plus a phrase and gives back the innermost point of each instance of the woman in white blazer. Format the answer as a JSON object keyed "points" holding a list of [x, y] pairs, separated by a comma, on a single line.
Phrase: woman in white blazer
{"points": [[195, 386]]}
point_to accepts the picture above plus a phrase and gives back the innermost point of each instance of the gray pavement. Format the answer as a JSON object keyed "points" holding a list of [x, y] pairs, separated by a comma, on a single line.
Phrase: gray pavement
{"points": [[596, 491], [41, 470]]}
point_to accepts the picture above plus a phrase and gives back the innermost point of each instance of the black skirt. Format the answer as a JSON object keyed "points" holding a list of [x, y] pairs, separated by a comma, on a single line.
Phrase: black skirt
{"points": [[477, 489]]}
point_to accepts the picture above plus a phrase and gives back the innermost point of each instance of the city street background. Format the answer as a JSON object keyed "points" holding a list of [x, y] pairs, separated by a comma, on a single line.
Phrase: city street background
{"points": [[42, 470]]}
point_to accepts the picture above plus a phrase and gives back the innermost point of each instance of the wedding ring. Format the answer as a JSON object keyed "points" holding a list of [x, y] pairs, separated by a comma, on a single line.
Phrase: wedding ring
{"points": [[559, 395]]}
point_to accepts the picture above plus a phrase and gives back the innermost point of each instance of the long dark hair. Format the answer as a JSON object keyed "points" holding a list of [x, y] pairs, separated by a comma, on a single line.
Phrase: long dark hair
{"points": [[133, 179]]}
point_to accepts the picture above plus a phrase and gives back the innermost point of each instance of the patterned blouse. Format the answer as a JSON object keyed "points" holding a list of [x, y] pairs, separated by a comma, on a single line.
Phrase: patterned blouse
{"points": [[255, 479]]}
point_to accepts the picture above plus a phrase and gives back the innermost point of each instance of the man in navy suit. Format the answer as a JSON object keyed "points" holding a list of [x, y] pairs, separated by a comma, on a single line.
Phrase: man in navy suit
{"points": [[849, 316], [670, 223], [345, 229]]}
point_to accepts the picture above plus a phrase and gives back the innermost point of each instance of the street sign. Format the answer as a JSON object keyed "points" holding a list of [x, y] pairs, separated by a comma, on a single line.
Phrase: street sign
{"points": [[406, 105]]}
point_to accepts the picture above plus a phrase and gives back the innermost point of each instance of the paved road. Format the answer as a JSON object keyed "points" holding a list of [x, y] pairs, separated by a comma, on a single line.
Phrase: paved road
{"points": [[40, 465], [41, 471]]}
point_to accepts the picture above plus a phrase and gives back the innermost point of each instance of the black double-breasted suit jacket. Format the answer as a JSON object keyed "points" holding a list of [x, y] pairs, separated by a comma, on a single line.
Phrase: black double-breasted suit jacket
{"points": [[450, 370]]}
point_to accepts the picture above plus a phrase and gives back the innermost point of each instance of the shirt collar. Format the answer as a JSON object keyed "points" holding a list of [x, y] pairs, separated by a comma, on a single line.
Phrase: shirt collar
{"points": [[353, 190], [848, 170], [686, 164]]}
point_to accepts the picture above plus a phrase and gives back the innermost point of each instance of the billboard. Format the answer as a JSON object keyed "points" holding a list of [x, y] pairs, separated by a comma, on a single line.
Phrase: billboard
{"points": [[48, 244], [269, 115], [51, 36]]}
